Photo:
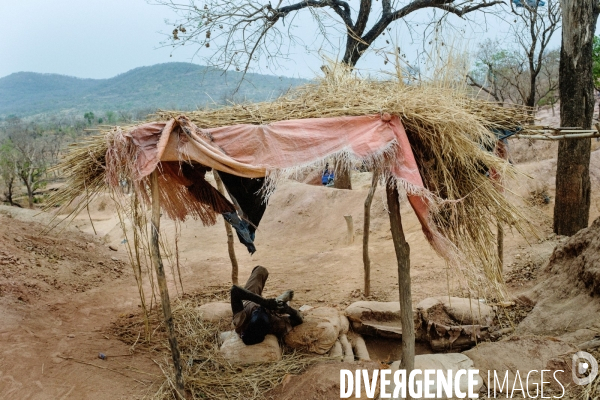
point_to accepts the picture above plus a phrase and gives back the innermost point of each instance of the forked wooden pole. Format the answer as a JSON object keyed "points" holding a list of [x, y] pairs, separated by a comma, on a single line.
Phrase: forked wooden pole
{"points": [[403, 258], [366, 229], [162, 281], [230, 246]]}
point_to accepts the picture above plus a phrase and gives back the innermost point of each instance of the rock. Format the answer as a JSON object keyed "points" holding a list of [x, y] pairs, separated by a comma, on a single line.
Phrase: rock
{"points": [[453, 323], [461, 310], [318, 332], [114, 258], [373, 310], [521, 354], [236, 352], [444, 362], [90, 246], [215, 312], [376, 318], [113, 248], [18, 239]]}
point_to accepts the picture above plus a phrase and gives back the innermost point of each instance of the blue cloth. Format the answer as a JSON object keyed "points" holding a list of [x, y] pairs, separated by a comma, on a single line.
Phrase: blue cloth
{"points": [[327, 178]]}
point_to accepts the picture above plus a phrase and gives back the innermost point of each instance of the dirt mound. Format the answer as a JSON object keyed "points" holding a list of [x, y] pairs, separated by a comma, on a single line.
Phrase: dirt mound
{"points": [[567, 295], [58, 292], [34, 264]]}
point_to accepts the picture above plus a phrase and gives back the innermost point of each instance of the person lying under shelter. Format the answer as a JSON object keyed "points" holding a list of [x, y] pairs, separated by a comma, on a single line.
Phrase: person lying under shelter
{"points": [[254, 317]]}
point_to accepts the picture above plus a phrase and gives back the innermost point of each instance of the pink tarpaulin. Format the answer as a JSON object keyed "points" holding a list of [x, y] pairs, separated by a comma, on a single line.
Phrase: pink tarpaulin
{"points": [[258, 150]]}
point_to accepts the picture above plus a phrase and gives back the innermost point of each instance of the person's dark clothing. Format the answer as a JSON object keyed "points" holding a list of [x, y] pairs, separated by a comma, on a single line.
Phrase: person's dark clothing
{"points": [[244, 310]]}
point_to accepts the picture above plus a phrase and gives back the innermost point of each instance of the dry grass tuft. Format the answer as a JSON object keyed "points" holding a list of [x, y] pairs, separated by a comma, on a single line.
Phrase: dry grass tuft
{"points": [[206, 374]]}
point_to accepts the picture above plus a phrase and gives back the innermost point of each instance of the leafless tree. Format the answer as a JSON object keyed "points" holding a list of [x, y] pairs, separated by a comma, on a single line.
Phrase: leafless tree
{"points": [[234, 34], [31, 151], [246, 30], [529, 73]]}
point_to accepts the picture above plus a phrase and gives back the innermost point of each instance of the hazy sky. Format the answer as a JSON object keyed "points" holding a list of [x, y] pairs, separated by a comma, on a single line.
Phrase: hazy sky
{"points": [[103, 38]]}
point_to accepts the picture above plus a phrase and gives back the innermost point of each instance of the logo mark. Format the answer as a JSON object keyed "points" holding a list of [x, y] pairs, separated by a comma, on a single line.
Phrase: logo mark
{"points": [[581, 367]]}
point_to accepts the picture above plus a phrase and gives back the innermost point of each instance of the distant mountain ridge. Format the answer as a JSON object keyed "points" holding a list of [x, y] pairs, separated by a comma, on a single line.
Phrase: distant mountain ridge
{"points": [[181, 86]]}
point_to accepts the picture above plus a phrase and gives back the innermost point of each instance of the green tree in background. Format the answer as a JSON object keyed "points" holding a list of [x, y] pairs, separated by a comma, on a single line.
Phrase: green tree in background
{"points": [[89, 117]]}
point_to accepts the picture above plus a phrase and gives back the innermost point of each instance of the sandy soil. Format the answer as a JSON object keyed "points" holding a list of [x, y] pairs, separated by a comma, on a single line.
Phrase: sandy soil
{"points": [[60, 291]]}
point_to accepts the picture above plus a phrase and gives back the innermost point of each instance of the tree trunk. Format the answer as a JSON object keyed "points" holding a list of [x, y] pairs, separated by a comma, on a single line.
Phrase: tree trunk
{"points": [[343, 179], [8, 194], [366, 228], [572, 206], [403, 258], [28, 184]]}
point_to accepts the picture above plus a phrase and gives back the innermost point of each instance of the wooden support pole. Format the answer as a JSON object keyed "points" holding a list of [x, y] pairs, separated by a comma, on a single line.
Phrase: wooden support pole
{"points": [[350, 228], [567, 136], [403, 258], [230, 246], [366, 229], [500, 242], [162, 281]]}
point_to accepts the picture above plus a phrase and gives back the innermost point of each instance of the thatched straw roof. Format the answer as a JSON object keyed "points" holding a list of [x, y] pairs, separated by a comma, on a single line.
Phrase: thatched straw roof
{"points": [[447, 129]]}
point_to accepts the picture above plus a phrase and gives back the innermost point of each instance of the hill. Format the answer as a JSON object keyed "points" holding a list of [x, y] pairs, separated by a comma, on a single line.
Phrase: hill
{"points": [[172, 85]]}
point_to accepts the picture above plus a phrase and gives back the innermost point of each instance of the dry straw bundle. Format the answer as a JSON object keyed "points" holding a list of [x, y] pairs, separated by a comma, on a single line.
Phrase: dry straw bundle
{"points": [[206, 373], [448, 130]]}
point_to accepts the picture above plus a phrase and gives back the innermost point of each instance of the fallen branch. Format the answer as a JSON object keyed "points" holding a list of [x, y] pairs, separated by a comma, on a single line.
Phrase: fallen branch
{"points": [[585, 135], [101, 367]]}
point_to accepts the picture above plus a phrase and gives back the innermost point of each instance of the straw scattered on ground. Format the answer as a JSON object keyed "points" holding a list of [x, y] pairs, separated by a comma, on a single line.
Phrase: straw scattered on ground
{"points": [[207, 375]]}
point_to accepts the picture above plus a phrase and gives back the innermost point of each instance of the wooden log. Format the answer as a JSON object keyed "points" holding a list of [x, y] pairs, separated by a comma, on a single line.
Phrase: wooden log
{"points": [[162, 281], [230, 246], [558, 137], [366, 229], [350, 227], [402, 250]]}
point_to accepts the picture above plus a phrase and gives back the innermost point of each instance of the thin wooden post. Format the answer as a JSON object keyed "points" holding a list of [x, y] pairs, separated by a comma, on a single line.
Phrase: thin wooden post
{"points": [[162, 281], [350, 228], [230, 247], [403, 258], [500, 240], [366, 229]]}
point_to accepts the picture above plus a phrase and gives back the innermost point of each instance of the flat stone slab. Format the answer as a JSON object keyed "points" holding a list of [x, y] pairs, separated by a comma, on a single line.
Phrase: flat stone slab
{"points": [[376, 318], [453, 323]]}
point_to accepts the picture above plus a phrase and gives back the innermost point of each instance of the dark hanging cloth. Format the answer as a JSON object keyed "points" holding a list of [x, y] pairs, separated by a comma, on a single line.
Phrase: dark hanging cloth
{"points": [[245, 193]]}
